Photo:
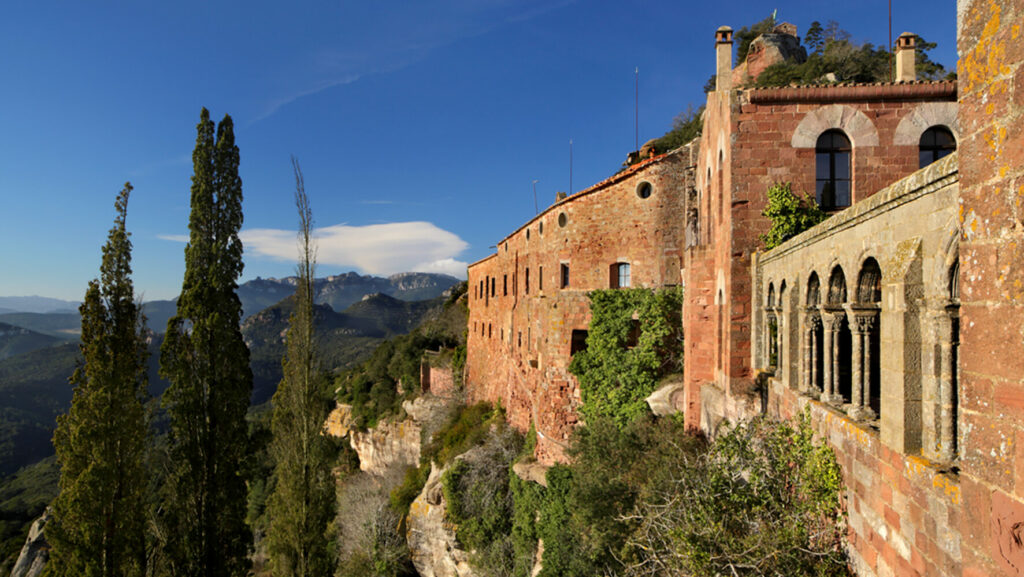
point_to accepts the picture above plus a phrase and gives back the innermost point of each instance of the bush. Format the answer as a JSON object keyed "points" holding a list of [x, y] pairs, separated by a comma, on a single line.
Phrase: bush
{"points": [[616, 374], [789, 214], [479, 501], [765, 499]]}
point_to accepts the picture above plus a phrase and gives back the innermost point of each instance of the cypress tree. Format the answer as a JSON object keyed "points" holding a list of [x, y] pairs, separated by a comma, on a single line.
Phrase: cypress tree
{"points": [[98, 525], [302, 504], [207, 363]]}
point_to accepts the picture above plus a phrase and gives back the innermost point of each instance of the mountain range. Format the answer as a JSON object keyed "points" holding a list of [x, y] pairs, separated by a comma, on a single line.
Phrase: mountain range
{"points": [[39, 351]]}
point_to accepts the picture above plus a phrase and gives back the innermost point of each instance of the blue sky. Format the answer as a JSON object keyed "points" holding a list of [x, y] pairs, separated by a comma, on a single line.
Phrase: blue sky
{"points": [[419, 125]]}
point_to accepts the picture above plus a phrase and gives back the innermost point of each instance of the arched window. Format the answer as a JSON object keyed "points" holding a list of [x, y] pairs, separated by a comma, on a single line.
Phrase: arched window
{"points": [[836, 287], [936, 142], [869, 283], [813, 290], [832, 169]]}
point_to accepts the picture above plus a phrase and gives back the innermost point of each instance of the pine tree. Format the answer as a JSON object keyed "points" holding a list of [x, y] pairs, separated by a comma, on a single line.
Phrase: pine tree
{"points": [[207, 363], [98, 526], [302, 504]]}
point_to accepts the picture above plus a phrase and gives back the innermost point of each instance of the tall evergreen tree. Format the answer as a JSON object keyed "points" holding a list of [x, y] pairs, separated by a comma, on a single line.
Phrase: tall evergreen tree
{"points": [[207, 363], [302, 504], [98, 526]]}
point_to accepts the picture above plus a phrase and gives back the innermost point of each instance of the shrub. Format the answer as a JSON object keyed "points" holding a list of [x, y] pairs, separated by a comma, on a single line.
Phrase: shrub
{"points": [[789, 214], [615, 374], [476, 490], [765, 499]]}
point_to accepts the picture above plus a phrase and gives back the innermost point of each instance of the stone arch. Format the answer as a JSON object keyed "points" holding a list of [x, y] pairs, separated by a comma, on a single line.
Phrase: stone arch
{"points": [[923, 117], [869, 282], [771, 295], [813, 290], [836, 286], [857, 126]]}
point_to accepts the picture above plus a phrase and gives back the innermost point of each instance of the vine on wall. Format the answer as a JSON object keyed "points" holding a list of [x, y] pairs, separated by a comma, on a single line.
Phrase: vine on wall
{"points": [[635, 338]]}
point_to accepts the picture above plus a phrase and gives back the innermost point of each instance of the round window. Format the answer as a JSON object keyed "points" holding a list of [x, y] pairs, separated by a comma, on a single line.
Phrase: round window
{"points": [[644, 190], [562, 219]]}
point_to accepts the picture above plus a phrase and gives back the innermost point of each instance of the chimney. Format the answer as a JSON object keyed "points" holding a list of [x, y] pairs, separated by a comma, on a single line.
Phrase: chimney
{"points": [[905, 58], [723, 56], [560, 196]]}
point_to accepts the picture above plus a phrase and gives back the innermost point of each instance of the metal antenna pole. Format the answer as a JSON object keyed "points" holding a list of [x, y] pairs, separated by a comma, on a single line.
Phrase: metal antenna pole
{"points": [[535, 206], [892, 70], [636, 111], [570, 167]]}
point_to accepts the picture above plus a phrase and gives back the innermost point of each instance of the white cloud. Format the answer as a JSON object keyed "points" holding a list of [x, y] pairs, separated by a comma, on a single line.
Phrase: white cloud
{"points": [[173, 237], [379, 249]]}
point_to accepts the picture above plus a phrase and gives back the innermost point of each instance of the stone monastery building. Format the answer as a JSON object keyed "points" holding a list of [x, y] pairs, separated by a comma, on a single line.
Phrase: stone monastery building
{"points": [[898, 321]]}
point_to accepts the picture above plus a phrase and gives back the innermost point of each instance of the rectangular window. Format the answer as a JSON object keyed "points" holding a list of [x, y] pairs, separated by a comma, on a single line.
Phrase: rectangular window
{"points": [[505, 285], [487, 295], [527, 284], [619, 275], [565, 275], [493, 284], [579, 341], [540, 278]]}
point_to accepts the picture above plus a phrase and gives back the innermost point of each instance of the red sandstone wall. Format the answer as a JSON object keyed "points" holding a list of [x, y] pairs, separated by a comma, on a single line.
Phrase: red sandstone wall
{"points": [[903, 515], [991, 279], [518, 345], [746, 146]]}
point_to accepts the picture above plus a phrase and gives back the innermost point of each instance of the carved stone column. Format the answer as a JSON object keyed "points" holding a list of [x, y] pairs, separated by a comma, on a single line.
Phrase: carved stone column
{"points": [[864, 323], [832, 317], [812, 322]]}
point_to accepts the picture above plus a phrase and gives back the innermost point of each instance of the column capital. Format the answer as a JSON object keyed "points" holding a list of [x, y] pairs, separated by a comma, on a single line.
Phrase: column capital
{"points": [[813, 318]]}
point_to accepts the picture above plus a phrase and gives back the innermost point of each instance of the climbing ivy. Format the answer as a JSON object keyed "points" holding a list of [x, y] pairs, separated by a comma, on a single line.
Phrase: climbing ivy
{"points": [[615, 373], [790, 214]]}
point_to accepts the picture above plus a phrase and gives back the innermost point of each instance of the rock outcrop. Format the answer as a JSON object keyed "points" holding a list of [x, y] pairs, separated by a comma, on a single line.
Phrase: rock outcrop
{"points": [[781, 45], [668, 398], [387, 445], [432, 544], [339, 421], [36, 551]]}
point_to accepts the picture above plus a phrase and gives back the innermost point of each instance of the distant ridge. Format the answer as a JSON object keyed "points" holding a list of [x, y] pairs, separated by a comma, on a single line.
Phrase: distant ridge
{"points": [[36, 304]]}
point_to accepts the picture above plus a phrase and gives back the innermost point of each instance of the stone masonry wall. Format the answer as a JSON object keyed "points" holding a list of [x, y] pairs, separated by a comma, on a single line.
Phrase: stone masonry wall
{"points": [[753, 139], [903, 504], [992, 284], [522, 319]]}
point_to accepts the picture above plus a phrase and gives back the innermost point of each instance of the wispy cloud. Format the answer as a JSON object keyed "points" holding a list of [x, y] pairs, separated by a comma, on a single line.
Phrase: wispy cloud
{"points": [[387, 41], [375, 249], [173, 237], [281, 101]]}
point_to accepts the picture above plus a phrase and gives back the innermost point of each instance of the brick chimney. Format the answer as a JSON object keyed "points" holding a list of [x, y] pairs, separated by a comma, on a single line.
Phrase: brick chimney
{"points": [[723, 55], [905, 57]]}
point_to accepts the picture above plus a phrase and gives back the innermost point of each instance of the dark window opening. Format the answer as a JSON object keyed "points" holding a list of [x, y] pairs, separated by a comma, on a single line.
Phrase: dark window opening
{"points": [[844, 348], [633, 336], [527, 281], [505, 285], [832, 169], [644, 190], [489, 327], [493, 284], [565, 275], [579, 341], [936, 142], [620, 275], [540, 278]]}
